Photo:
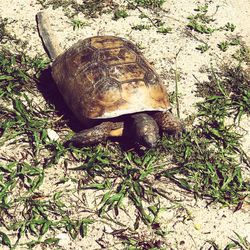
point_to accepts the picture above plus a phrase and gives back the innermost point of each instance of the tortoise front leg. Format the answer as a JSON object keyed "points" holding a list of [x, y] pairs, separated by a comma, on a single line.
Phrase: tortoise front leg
{"points": [[98, 133], [168, 123]]}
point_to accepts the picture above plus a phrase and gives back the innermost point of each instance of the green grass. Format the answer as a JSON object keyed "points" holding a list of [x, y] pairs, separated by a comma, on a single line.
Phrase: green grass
{"points": [[4, 34], [201, 22], [20, 115], [138, 242], [132, 172], [199, 27], [149, 3], [242, 54], [236, 243], [229, 27], [90, 8], [223, 46], [39, 214], [239, 242], [164, 30], [77, 24], [203, 47], [120, 13], [208, 157], [26, 123], [231, 87], [206, 161], [141, 27]]}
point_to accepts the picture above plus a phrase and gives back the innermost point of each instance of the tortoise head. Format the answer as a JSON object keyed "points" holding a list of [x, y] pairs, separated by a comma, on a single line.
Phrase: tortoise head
{"points": [[145, 129]]}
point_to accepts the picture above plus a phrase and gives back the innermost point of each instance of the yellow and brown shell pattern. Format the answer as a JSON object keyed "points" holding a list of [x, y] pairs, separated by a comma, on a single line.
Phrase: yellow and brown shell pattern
{"points": [[107, 76]]}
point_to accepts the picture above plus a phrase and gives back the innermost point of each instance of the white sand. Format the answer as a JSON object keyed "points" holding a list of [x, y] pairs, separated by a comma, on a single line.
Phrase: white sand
{"points": [[201, 224]]}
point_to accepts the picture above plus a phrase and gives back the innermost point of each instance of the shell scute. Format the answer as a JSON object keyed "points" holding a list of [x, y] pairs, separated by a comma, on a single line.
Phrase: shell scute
{"points": [[79, 59], [117, 56], [94, 73], [106, 42], [126, 72]]}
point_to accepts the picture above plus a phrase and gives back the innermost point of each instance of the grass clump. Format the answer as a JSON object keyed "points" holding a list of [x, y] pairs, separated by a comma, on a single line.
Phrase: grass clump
{"points": [[230, 27], [25, 122], [237, 242], [223, 46], [205, 166], [164, 30], [130, 173], [140, 242], [141, 27], [200, 22], [231, 85], [15, 72], [90, 8], [55, 3], [77, 24], [242, 54], [120, 13], [203, 47], [149, 3], [208, 158], [39, 214], [20, 116], [4, 34]]}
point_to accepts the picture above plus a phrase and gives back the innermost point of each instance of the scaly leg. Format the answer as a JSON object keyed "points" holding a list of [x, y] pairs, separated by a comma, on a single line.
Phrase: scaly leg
{"points": [[98, 133], [168, 123]]}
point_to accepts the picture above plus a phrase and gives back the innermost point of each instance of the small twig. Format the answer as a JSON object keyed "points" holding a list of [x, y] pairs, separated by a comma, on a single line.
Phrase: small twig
{"points": [[217, 8], [137, 7], [176, 84], [173, 18], [195, 77], [194, 36]]}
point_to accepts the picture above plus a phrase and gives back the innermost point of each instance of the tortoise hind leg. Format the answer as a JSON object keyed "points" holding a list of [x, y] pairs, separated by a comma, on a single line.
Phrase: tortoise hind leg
{"points": [[97, 134], [169, 123]]}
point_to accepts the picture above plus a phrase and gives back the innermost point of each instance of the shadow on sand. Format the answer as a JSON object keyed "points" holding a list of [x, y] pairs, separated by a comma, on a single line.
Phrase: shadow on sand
{"points": [[52, 95]]}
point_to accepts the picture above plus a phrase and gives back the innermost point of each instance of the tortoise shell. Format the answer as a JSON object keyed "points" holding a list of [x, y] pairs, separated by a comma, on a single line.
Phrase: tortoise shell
{"points": [[106, 76]]}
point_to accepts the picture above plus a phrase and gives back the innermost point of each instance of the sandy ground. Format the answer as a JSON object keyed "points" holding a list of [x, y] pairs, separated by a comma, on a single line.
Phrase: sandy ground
{"points": [[191, 224]]}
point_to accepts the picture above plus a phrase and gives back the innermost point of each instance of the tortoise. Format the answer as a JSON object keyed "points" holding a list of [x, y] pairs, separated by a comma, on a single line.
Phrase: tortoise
{"points": [[110, 87]]}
